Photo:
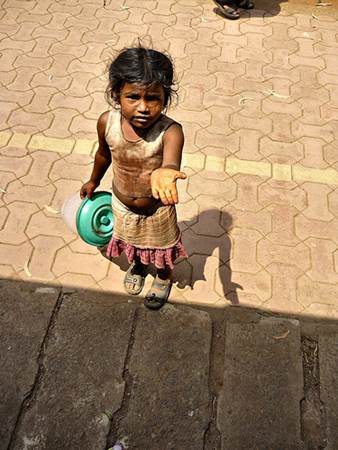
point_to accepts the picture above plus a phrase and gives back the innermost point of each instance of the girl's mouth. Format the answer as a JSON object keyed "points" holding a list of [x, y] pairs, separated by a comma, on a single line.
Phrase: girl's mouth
{"points": [[141, 119]]}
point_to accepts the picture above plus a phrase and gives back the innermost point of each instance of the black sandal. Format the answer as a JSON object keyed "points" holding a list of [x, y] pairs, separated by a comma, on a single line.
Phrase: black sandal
{"points": [[158, 294], [226, 10], [245, 4]]}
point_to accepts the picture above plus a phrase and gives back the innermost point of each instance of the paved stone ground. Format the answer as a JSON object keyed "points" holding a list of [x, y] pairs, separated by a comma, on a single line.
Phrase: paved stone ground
{"points": [[83, 370], [258, 101]]}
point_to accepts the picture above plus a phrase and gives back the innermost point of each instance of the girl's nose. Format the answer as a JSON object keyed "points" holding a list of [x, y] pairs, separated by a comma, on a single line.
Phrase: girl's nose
{"points": [[143, 107]]}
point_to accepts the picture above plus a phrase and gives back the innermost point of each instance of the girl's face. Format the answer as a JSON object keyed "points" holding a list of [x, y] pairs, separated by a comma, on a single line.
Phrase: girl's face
{"points": [[141, 106]]}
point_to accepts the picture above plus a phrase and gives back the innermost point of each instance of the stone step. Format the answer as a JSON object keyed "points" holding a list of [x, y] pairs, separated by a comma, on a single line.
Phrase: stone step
{"points": [[169, 403], [82, 383], [25, 313], [328, 362], [259, 405]]}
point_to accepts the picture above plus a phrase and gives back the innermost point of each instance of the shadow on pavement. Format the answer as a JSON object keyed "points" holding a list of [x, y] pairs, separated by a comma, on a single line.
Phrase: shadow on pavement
{"points": [[205, 246]]}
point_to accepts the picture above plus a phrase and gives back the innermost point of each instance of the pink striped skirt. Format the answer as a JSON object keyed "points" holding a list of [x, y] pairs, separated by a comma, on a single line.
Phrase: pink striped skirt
{"points": [[154, 239]]}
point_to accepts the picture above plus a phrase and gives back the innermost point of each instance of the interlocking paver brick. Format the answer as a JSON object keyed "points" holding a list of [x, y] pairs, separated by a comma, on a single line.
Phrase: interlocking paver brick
{"points": [[67, 261], [40, 195], [243, 288], [322, 269], [70, 280], [40, 168], [282, 217], [82, 127], [43, 256], [4, 213], [244, 250], [6, 179], [333, 202], [305, 228], [259, 27], [60, 126], [239, 121], [187, 211], [40, 223], [330, 63], [199, 186], [63, 191], [281, 151], [20, 98], [284, 284], [22, 121], [15, 256], [281, 127], [192, 98], [317, 197], [40, 101], [309, 292], [269, 252], [313, 153], [244, 144], [273, 105], [7, 108], [194, 244], [203, 278], [17, 166], [58, 100], [259, 221], [14, 230], [208, 220], [48, 79], [79, 246], [79, 83], [202, 118], [7, 272], [11, 43], [246, 198], [280, 67], [300, 129], [218, 123], [282, 193]]}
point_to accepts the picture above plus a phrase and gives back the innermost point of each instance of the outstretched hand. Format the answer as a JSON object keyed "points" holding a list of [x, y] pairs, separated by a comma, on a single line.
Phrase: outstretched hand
{"points": [[163, 184]]}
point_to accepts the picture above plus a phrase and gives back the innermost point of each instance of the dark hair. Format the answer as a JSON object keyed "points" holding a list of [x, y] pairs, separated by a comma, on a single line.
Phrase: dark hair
{"points": [[140, 65]]}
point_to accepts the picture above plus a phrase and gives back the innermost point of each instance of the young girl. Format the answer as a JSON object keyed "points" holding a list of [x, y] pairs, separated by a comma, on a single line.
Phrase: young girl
{"points": [[146, 148]]}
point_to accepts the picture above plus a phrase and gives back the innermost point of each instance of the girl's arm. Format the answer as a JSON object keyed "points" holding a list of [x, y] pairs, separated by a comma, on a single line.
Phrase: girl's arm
{"points": [[163, 180], [102, 159]]}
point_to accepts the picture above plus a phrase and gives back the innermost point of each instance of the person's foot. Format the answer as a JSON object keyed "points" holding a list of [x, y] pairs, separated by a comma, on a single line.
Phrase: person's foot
{"points": [[158, 293], [227, 11], [245, 4], [134, 278]]}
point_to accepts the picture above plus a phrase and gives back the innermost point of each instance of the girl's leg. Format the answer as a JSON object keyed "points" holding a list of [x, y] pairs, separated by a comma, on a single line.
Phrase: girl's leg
{"points": [[138, 267], [134, 278], [164, 274], [160, 289]]}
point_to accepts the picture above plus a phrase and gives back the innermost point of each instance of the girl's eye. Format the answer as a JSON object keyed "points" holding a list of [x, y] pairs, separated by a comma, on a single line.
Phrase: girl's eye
{"points": [[153, 98], [133, 97]]}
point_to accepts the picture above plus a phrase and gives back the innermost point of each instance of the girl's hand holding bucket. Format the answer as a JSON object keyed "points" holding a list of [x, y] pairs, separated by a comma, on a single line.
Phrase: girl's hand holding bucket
{"points": [[88, 189]]}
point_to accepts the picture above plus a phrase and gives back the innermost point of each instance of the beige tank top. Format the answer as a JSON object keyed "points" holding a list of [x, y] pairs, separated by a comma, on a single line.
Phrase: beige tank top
{"points": [[134, 161]]}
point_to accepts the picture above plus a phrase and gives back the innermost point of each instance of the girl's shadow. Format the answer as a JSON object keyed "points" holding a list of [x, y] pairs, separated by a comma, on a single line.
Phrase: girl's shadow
{"points": [[205, 233]]}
